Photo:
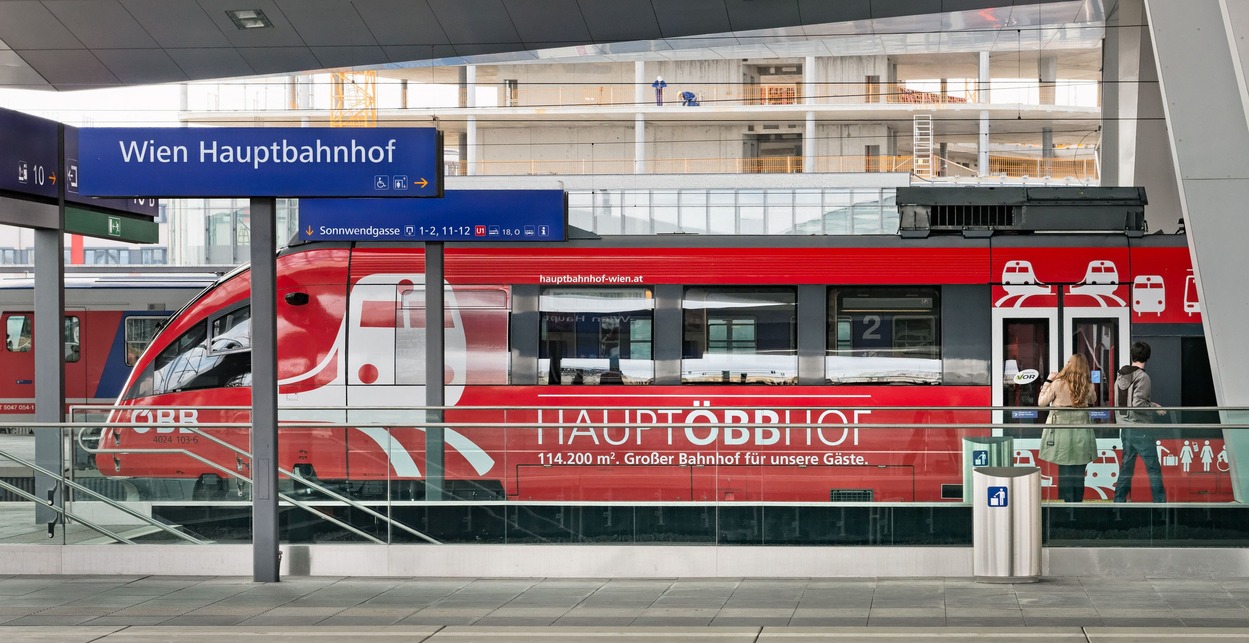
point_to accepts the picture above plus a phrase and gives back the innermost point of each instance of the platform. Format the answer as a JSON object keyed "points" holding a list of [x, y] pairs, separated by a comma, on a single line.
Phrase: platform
{"points": [[188, 609]]}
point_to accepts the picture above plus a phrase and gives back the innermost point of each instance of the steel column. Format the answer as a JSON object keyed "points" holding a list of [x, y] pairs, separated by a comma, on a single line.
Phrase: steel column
{"points": [[264, 466]]}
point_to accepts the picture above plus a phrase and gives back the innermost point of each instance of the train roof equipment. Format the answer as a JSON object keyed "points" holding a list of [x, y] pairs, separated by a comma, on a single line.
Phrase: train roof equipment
{"points": [[984, 211]]}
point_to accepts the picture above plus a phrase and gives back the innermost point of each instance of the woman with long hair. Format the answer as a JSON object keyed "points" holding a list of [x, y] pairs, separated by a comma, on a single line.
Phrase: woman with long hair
{"points": [[1070, 391]]}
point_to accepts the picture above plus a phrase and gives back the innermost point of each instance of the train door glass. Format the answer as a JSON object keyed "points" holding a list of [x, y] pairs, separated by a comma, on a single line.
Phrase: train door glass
{"points": [[1098, 341], [1026, 359]]}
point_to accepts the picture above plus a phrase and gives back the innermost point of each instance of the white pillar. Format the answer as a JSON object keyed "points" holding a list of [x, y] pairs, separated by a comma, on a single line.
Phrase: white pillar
{"points": [[639, 144], [639, 119], [470, 101], [1047, 75], [982, 86], [1201, 59], [470, 142], [808, 144], [639, 82], [808, 80], [982, 143]]}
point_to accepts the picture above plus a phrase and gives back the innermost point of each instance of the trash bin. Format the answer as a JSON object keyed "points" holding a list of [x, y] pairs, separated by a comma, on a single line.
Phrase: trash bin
{"points": [[1006, 524], [985, 451]]}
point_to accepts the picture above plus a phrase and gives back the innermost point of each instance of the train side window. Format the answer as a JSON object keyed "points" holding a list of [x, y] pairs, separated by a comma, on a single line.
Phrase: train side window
{"points": [[596, 336], [139, 333], [17, 330], [884, 335], [19, 333], [73, 344], [740, 336]]}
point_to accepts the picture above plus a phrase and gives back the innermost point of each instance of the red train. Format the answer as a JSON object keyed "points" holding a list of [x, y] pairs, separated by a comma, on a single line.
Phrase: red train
{"points": [[109, 320], [738, 369]]}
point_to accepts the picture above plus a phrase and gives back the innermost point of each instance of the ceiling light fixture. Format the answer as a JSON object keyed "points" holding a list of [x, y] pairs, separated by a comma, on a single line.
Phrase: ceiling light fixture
{"points": [[249, 19]]}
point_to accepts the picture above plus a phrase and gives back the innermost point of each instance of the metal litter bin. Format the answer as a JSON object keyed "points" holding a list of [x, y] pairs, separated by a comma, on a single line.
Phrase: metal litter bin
{"points": [[985, 451], [1006, 524]]}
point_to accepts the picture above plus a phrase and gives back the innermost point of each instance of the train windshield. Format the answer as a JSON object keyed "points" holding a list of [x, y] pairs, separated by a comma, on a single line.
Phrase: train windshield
{"points": [[214, 353]]}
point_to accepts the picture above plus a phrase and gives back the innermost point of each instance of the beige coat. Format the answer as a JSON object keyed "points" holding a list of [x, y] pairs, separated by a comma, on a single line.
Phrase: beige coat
{"points": [[1066, 446]]}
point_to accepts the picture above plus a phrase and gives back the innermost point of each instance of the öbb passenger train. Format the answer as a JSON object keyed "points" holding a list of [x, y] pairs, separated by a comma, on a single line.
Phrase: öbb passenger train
{"points": [[736, 369]]}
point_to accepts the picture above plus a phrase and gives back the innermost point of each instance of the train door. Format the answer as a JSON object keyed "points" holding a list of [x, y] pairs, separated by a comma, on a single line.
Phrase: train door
{"points": [[1029, 343], [18, 388], [77, 360]]}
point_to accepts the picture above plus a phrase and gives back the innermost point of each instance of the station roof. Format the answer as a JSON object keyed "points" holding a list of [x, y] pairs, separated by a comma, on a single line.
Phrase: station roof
{"points": [[81, 44]]}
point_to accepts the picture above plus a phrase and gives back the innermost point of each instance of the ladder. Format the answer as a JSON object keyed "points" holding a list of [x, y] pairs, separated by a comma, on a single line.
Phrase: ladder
{"points": [[921, 144]]}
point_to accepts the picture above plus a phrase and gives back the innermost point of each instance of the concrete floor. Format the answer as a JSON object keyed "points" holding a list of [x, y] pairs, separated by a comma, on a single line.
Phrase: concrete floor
{"points": [[188, 609]]}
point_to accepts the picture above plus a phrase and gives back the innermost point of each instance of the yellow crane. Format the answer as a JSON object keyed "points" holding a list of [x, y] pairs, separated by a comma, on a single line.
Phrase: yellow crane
{"points": [[355, 99]]}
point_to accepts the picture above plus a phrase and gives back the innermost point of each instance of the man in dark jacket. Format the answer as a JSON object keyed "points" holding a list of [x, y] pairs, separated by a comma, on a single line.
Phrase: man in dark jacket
{"points": [[1132, 390]]}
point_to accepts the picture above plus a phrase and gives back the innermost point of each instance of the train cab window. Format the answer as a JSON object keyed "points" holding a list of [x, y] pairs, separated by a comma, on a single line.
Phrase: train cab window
{"points": [[199, 360], [884, 335], [18, 329], [739, 336], [596, 336], [139, 333]]}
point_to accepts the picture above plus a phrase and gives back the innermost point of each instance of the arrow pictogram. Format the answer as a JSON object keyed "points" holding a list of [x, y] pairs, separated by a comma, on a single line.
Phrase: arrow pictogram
{"points": [[52, 177], [422, 182], [309, 231]]}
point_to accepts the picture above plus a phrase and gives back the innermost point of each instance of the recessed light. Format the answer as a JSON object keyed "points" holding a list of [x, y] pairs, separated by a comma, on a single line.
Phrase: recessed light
{"points": [[249, 19]]}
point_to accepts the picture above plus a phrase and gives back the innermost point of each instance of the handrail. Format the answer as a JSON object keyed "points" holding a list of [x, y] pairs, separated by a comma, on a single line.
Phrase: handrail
{"points": [[290, 474], [109, 501], [235, 475], [62, 511], [333, 494]]}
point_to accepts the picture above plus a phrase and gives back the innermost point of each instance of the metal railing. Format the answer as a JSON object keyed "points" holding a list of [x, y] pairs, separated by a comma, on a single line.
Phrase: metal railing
{"points": [[522, 473], [1082, 169]]}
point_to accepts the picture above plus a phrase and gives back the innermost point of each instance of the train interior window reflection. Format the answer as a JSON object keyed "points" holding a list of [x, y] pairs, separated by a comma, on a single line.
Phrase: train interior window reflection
{"points": [[740, 336], [884, 335], [139, 333], [596, 336], [18, 332]]}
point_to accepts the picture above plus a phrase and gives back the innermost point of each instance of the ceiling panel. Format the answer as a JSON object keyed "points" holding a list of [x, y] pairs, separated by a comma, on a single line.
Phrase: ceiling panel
{"points": [[746, 15], [482, 26], [402, 22], [816, 12], [617, 20], [210, 62], [893, 8], [691, 17], [177, 24], [140, 66], [70, 69], [418, 52], [326, 23], [101, 23], [542, 24], [349, 56], [27, 24], [15, 73], [282, 34], [276, 60]]}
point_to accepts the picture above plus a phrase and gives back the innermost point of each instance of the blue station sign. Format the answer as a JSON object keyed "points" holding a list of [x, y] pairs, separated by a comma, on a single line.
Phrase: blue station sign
{"points": [[29, 146], [461, 215], [260, 162], [145, 206]]}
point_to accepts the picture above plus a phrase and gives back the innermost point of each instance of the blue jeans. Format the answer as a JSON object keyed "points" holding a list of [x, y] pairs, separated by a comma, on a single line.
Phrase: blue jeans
{"points": [[1139, 442]]}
